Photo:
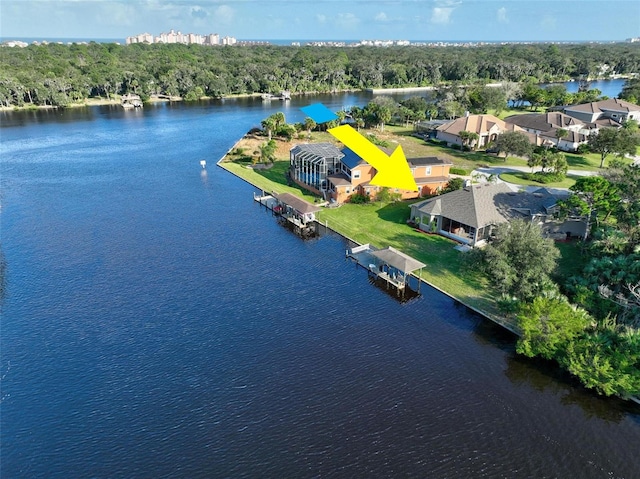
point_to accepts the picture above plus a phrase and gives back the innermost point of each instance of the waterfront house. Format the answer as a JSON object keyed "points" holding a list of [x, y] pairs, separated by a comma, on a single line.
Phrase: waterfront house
{"points": [[354, 176], [311, 163], [487, 127], [470, 215]]}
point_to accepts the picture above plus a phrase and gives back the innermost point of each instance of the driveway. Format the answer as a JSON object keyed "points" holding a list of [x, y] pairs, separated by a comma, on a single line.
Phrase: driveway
{"points": [[497, 170]]}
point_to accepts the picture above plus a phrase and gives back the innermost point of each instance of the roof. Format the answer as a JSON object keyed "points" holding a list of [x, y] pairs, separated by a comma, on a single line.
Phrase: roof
{"points": [[428, 160], [543, 121], [427, 180], [339, 179], [612, 104], [480, 124], [298, 204], [571, 136], [350, 158], [482, 205], [320, 150], [600, 122], [397, 259]]}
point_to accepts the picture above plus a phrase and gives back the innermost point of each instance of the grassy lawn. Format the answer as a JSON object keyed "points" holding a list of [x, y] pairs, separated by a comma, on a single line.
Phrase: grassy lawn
{"points": [[384, 225], [517, 179], [271, 180]]}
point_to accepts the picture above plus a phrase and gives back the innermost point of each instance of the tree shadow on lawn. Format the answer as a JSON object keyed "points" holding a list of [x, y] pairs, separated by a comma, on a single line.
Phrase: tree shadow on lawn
{"points": [[398, 212], [575, 160]]}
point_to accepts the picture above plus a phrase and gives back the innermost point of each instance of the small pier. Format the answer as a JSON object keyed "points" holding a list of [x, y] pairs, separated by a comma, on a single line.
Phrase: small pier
{"points": [[390, 265]]}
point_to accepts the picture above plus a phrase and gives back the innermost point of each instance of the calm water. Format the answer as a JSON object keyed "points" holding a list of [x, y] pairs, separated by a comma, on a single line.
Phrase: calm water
{"points": [[158, 323]]}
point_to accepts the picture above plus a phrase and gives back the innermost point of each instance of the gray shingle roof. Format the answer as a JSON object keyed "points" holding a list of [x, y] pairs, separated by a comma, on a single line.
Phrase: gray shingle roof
{"points": [[543, 121], [481, 205], [428, 160]]}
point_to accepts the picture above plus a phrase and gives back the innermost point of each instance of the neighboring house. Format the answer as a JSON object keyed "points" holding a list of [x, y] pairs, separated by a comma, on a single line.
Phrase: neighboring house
{"points": [[614, 109], [570, 142], [539, 123], [311, 163], [470, 215], [487, 127], [354, 176]]}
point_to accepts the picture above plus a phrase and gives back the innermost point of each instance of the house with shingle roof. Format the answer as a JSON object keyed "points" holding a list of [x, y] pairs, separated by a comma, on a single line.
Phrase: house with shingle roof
{"points": [[613, 108], [487, 127], [545, 127], [470, 215]]}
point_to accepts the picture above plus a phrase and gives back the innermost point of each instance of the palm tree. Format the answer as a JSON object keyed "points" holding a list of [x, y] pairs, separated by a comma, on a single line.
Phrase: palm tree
{"points": [[309, 124], [279, 119], [268, 124]]}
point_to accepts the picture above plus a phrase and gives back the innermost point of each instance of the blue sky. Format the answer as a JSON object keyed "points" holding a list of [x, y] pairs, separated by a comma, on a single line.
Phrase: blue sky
{"points": [[489, 20]]}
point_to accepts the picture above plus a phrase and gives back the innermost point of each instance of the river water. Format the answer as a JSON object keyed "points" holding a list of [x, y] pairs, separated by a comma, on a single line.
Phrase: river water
{"points": [[158, 323]]}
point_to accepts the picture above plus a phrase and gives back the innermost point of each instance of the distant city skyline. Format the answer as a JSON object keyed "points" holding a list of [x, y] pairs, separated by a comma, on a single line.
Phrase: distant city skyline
{"points": [[414, 20]]}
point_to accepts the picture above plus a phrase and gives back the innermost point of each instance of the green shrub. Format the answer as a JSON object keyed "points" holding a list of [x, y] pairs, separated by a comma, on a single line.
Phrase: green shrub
{"points": [[459, 171], [543, 178], [359, 199], [376, 141]]}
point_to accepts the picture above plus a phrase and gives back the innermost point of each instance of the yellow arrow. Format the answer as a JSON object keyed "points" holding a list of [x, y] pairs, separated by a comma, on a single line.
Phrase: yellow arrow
{"points": [[393, 171]]}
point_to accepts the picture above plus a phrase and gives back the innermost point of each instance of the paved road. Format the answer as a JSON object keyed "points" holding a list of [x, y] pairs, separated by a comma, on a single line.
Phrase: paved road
{"points": [[497, 170]]}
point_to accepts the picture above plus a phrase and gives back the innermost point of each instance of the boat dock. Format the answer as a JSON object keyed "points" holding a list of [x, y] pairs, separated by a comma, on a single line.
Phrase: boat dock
{"points": [[389, 265], [290, 209]]}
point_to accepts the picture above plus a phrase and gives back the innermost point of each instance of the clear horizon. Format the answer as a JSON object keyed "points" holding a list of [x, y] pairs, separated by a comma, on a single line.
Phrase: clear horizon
{"points": [[329, 20]]}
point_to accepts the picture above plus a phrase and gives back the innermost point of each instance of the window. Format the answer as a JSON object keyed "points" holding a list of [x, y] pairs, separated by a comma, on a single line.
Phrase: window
{"points": [[356, 174], [428, 171]]}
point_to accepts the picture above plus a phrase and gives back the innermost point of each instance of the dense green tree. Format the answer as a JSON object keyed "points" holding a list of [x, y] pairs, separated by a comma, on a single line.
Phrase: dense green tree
{"points": [[518, 261], [513, 143], [606, 360], [631, 90], [453, 184], [547, 325], [105, 70], [612, 141]]}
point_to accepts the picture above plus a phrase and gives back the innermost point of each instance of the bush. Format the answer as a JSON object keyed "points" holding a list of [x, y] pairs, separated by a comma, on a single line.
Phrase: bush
{"points": [[359, 199], [459, 171], [544, 178], [455, 146], [583, 149], [376, 141]]}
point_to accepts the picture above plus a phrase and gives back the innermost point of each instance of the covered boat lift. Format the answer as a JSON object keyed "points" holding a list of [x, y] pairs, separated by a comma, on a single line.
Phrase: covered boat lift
{"points": [[389, 264]]}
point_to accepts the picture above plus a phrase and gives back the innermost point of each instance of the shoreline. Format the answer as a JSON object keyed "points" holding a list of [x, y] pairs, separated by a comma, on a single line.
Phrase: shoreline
{"points": [[373, 91], [495, 319], [502, 322]]}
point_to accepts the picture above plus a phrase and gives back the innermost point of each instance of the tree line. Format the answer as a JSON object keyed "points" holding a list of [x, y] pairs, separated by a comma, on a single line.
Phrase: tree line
{"points": [[57, 75]]}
